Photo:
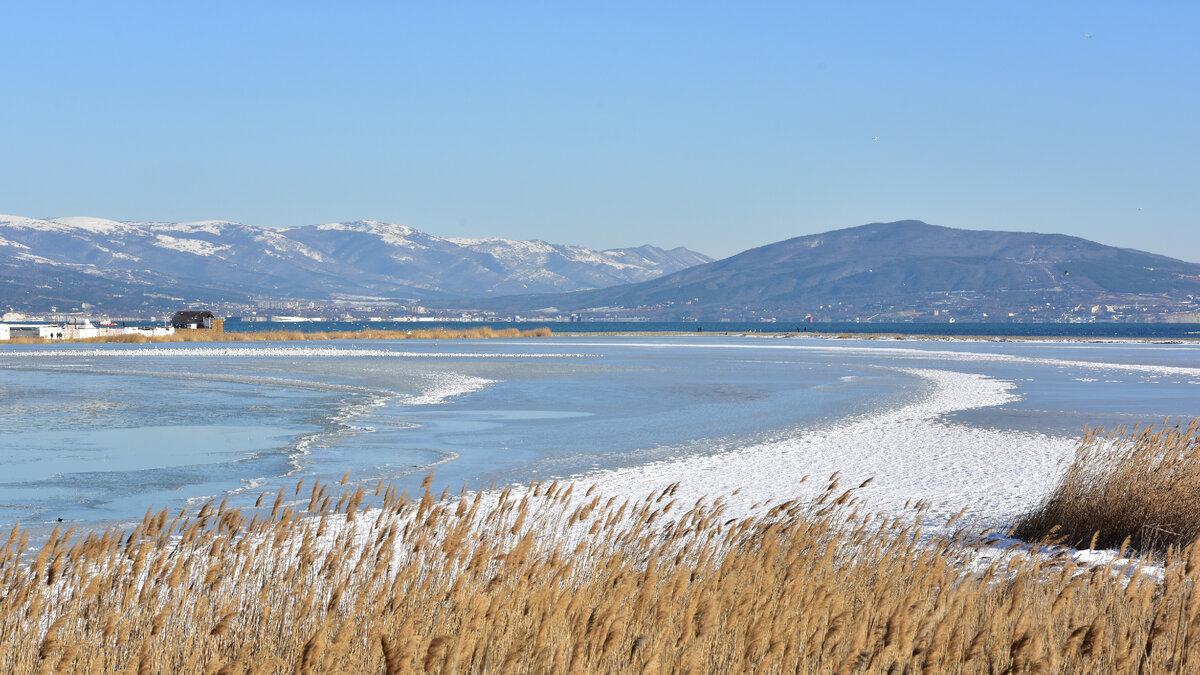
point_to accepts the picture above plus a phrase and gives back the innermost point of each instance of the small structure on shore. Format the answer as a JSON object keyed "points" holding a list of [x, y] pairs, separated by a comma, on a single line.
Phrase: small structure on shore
{"points": [[191, 319], [77, 329]]}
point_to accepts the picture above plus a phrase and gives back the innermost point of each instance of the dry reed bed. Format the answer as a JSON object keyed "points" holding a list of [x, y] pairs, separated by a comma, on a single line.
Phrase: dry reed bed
{"points": [[481, 332], [1138, 488], [551, 580]]}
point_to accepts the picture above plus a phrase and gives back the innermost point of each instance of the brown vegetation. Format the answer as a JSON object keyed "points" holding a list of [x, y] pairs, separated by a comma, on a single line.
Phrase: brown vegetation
{"points": [[295, 335], [557, 580], [1138, 488]]}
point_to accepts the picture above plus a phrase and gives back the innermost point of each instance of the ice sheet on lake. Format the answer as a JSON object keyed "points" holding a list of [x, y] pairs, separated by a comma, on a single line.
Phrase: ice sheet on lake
{"points": [[900, 353]]}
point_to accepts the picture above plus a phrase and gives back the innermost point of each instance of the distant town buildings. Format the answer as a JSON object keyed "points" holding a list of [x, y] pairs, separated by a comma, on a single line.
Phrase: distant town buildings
{"points": [[77, 329], [18, 325]]}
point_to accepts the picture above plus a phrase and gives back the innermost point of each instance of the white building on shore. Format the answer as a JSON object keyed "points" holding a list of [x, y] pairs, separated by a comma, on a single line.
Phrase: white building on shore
{"points": [[77, 329]]}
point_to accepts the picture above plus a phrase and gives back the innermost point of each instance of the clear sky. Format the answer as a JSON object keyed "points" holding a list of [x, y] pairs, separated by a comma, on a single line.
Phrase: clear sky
{"points": [[719, 126]]}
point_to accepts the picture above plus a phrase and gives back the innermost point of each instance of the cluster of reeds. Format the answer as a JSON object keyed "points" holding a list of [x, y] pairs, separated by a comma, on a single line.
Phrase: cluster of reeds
{"points": [[554, 579], [438, 333], [1138, 488]]}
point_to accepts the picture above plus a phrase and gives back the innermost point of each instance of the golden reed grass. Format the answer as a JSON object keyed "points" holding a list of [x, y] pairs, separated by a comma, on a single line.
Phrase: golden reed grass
{"points": [[558, 579], [481, 332], [1138, 488]]}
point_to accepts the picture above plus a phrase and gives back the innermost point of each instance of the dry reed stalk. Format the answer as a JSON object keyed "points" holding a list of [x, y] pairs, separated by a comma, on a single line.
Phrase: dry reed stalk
{"points": [[1139, 485], [476, 333], [534, 581]]}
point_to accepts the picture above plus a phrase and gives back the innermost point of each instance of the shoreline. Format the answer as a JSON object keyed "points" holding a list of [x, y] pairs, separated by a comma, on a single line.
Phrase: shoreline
{"points": [[440, 332], [200, 335], [930, 337]]}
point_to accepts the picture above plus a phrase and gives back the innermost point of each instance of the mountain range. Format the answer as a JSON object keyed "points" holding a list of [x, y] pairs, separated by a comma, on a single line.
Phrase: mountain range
{"points": [[906, 270], [901, 271], [73, 263]]}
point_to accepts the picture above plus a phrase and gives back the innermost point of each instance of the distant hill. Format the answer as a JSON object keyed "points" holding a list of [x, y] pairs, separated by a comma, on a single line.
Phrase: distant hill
{"points": [[906, 270], [69, 263]]}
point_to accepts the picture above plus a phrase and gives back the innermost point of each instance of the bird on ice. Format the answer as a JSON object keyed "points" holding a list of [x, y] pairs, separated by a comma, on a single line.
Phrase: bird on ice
{"points": [[874, 138]]}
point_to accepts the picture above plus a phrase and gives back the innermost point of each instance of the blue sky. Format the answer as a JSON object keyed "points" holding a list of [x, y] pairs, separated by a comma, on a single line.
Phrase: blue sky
{"points": [[719, 126]]}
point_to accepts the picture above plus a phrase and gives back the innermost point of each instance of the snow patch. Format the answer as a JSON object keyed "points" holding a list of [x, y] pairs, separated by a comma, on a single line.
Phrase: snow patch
{"points": [[37, 259], [117, 254], [21, 222], [193, 246], [97, 225], [75, 224], [280, 243], [390, 233], [514, 253], [215, 227]]}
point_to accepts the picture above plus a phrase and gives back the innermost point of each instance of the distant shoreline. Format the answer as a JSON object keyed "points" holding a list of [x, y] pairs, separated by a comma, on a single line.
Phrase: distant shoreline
{"points": [[200, 335], [892, 336], [1101, 330], [489, 332]]}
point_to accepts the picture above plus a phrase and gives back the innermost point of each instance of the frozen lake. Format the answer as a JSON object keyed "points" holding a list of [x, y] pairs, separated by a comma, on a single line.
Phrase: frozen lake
{"points": [[96, 434]]}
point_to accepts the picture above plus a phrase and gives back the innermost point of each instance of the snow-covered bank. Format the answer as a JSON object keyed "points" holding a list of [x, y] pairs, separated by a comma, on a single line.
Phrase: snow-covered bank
{"points": [[911, 452]]}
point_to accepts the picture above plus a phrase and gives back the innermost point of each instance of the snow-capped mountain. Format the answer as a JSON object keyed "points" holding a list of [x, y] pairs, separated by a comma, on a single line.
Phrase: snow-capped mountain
{"points": [[127, 265]]}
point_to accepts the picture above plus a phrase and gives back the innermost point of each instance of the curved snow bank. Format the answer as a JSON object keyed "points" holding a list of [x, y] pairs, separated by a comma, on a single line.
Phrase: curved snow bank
{"points": [[911, 452]]}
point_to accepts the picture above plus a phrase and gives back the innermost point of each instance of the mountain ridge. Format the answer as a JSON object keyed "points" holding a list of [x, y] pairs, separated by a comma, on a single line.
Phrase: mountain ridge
{"points": [[50, 262], [902, 270]]}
